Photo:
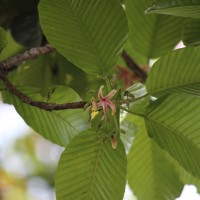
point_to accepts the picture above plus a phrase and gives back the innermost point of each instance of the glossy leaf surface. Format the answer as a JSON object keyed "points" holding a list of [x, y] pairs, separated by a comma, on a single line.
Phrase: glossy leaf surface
{"points": [[178, 71], [189, 8], [173, 122], [191, 32], [151, 36], [91, 169], [91, 33], [57, 126], [148, 164]]}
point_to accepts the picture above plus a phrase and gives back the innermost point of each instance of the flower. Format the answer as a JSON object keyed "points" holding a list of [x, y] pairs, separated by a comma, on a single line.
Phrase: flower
{"points": [[105, 102], [94, 109], [127, 75], [114, 142]]}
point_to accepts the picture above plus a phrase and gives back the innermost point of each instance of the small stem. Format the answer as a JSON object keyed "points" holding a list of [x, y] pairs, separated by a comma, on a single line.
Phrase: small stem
{"points": [[132, 112], [109, 90], [42, 105], [131, 100], [108, 84], [116, 124], [131, 64]]}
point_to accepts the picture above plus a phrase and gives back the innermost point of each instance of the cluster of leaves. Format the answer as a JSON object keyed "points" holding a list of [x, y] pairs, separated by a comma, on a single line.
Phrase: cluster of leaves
{"points": [[90, 36]]}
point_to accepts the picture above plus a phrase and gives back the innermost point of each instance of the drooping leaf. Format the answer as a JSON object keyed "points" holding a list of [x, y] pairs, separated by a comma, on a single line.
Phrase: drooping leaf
{"points": [[25, 29], [173, 122], [189, 8], [3, 39], [11, 49], [88, 33], [151, 36], [191, 32], [91, 169], [57, 126], [136, 56], [150, 174], [184, 175], [178, 71]]}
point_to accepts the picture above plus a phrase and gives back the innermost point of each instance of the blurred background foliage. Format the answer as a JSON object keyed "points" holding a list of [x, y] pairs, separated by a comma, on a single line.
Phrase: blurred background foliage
{"points": [[27, 168]]}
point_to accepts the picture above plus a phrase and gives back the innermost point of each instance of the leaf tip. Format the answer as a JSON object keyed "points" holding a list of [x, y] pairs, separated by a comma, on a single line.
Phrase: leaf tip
{"points": [[151, 9]]}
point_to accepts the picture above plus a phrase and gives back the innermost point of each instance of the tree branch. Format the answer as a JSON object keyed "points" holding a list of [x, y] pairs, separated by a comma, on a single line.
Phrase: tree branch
{"points": [[42, 105], [31, 54], [134, 66]]}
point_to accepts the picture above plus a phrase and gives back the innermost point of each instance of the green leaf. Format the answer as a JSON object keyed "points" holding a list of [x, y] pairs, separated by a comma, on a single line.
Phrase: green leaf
{"points": [[35, 73], [57, 126], [90, 34], [173, 122], [184, 175], [178, 71], [191, 32], [137, 57], [91, 169], [149, 168], [189, 8], [3, 39], [11, 49], [150, 35]]}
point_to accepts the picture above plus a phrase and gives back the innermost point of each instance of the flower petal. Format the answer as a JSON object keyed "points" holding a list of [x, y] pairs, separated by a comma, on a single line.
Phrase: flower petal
{"points": [[112, 106], [111, 94], [105, 107], [100, 93], [99, 104]]}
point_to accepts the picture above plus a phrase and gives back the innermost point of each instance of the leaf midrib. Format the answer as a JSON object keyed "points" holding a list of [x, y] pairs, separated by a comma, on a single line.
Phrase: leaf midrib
{"points": [[173, 7], [174, 131], [156, 174], [174, 87], [95, 169], [88, 37], [63, 119]]}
